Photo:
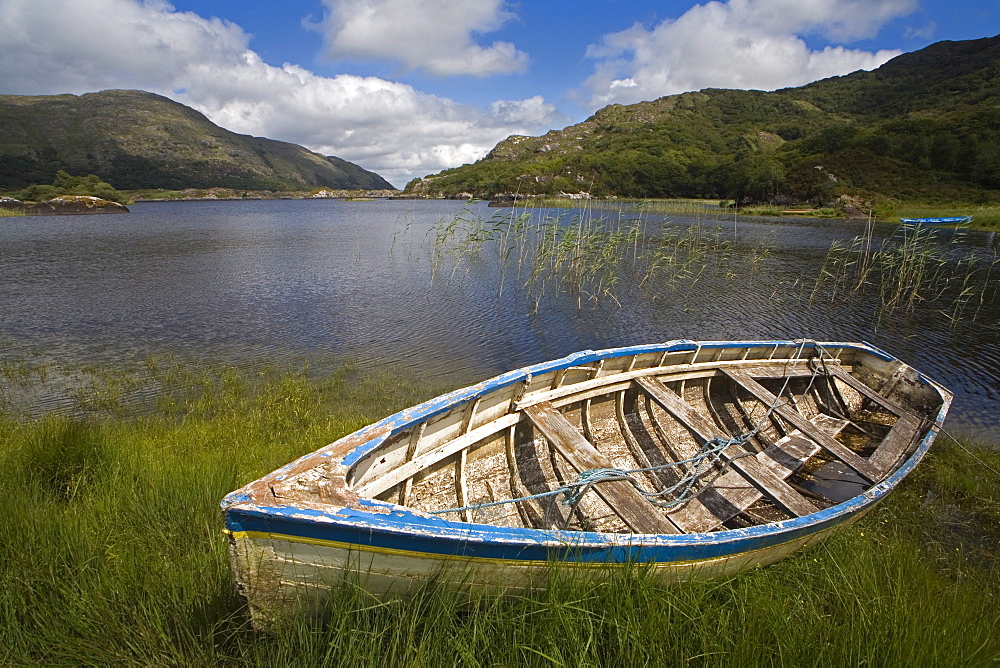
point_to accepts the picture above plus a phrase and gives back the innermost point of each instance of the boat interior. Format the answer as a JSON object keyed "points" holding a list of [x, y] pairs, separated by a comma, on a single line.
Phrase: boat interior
{"points": [[664, 442]]}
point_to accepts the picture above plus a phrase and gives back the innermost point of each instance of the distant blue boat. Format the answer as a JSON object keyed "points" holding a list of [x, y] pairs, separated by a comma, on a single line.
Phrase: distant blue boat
{"points": [[696, 458], [947, 220]]}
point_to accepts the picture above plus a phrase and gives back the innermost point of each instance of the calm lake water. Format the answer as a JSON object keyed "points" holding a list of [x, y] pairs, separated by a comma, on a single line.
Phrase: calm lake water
{"points": [[264, 282]]}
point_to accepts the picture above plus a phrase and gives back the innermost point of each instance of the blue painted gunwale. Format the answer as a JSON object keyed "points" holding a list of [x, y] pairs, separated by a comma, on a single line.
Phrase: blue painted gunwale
{"points": [[389, 527]]}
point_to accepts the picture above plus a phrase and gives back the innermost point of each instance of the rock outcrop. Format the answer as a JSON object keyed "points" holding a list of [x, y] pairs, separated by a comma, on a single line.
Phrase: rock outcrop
{"points": [[64, 204], [11, 204]]}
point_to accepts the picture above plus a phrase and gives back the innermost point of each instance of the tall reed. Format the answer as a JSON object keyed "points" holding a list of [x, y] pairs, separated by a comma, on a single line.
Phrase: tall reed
{"points": [[593, 257], [914, 265]]}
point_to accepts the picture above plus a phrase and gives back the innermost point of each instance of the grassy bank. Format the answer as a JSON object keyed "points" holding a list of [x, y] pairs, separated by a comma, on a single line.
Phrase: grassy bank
{"points": [[112, 551]]}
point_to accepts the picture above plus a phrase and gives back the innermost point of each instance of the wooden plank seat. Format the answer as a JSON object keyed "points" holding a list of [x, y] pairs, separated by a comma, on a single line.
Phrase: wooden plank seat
{"points": [[866, 391], [899, 439], [791, 415], [634, 509], [736, 456]]}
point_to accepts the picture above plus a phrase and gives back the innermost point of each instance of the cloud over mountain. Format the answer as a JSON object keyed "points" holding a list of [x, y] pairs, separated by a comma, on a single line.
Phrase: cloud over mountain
{"points": [[396, 127], [67, 46], [737, 44]]}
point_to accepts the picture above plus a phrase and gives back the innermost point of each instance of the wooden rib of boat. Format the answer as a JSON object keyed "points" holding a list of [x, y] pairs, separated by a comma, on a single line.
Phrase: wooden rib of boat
{"points": [[947, 220], [696, 458]]}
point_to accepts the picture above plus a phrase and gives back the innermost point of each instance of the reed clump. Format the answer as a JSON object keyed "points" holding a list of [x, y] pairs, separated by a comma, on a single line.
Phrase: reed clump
{"points": [[915, 265], [593, 257], [677, 206], [112, 552]]}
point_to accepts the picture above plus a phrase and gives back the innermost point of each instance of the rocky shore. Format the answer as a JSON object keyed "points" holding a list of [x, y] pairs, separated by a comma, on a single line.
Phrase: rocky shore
{"points": [[228, 194], [62, 205]]}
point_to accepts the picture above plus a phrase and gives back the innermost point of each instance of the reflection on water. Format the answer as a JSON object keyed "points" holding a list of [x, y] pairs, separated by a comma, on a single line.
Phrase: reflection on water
{"points": [[266, 281]]}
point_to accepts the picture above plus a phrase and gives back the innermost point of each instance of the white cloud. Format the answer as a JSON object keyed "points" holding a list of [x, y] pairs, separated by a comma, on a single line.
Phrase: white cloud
{"points": [[533, 111], [66, 46], [78, 46], [748, 44], [926, 31], [433, 35]]}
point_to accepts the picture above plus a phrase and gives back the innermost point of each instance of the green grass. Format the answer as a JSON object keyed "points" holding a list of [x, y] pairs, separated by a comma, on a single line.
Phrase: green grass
{"points": [[112, 551]]}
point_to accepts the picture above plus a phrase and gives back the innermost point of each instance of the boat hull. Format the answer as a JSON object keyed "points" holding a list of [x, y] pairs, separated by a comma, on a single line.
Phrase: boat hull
{"points": [[287, 555], [309, 567], [947, 220]]}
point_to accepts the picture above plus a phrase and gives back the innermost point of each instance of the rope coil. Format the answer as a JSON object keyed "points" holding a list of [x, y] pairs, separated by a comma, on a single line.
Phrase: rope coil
{"points": [[576, 488]]}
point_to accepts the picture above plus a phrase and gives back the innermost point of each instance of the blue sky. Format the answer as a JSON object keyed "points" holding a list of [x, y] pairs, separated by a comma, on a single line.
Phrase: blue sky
{"points": [[409, 87]]}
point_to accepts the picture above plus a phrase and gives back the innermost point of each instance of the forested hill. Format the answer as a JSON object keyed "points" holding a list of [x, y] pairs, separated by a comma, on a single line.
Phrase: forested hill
{"points": [[925, 125], [134, 139]]}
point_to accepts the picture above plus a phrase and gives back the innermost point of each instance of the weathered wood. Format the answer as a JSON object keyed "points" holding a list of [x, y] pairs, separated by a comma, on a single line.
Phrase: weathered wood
{"points": [[461, 489], [866, 391], [599, 385], [758, 438], [411, 448], [585, 422], [391, 478], [641, 443], [626, 431], [470, 413], [730, 494], [895, 444], [461, 486], [800, 422], [513, 477], [633, 508], [894, 379], [671, 449], [793, 369], [738, 457]]}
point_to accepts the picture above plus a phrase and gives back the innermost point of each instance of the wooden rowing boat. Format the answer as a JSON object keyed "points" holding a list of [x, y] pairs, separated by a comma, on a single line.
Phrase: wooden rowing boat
{"points": [[696, 458]]}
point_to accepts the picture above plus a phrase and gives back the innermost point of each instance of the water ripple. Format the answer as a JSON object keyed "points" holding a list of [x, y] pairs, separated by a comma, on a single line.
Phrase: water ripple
{"points": [[263, 282]]}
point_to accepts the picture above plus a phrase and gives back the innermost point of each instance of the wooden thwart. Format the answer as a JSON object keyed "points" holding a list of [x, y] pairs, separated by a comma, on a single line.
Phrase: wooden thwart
{"points": [[895, 443], [799, 421], [740, 459], [868, 392], [640, 515]]}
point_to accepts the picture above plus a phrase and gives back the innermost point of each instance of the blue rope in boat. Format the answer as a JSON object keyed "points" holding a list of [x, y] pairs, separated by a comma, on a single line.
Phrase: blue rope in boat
{"points": [[576, 488]]}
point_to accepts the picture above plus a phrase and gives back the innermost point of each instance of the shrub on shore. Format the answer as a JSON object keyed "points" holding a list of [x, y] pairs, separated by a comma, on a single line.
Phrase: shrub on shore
{"points": [[67, 184]]}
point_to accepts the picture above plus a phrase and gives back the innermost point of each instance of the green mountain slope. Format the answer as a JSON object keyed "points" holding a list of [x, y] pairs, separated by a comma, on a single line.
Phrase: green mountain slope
{"points": [[135, 139], [924, 125]]}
